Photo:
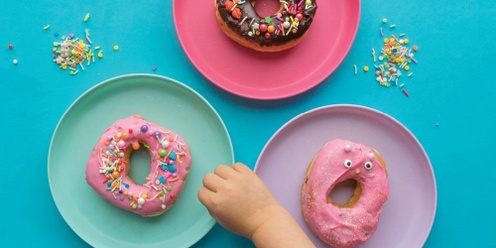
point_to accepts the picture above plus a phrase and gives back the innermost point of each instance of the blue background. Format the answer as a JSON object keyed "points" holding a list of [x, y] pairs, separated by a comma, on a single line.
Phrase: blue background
{"points": [[450, 109]]}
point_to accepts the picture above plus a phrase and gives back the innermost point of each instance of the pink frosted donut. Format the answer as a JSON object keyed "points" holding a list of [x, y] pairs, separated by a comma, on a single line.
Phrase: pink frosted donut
{"points": [[108, 166], [352, 223]]}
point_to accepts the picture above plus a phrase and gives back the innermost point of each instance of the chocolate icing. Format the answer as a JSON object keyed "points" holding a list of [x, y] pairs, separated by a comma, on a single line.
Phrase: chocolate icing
{"points": [[249, 22]]}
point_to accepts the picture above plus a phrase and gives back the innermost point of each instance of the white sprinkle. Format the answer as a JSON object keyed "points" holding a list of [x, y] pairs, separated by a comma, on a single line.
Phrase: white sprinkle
{"points": [[244, 19], [251, 22], [356, 69], [392, 26], [15, 61], [410, 74]]}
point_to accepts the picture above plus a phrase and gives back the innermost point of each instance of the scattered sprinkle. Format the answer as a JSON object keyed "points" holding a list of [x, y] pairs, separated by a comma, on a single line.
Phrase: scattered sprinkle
{"points": [[46, 27], [10, 46], [356, 70], [87, 33], [116, 47], [365, 68], [86, 17], [72, 52], [393, 59], [15, 61], [384, 20], [154, 68]]}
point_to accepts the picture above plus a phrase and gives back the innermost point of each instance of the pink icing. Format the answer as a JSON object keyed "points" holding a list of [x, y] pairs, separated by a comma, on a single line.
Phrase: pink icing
{"points": [[170, 163], [344, 226]]}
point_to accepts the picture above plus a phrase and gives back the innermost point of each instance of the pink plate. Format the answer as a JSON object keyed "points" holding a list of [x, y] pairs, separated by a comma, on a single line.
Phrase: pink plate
{"points": [[266, 76], [408, 215]]}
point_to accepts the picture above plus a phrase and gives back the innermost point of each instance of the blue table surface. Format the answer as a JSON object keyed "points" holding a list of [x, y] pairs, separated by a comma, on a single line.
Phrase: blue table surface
{"points": [[449, 110]]}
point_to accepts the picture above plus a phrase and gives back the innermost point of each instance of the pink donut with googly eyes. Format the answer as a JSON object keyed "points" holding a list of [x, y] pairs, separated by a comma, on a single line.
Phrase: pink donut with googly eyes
{"points": [[108, 166], [354, 222]]}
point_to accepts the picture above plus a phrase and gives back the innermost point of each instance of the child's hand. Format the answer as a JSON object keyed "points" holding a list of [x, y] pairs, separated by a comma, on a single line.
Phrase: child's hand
{"points": [[238, 199]]}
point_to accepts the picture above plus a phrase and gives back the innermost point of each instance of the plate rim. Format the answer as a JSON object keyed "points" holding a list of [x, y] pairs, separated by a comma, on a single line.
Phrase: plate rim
{"points": [[277, 96], [96, 87], [375, 112]]}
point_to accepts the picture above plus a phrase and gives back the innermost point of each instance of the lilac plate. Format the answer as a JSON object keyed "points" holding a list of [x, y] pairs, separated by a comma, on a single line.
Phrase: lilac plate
{"points": [[409, 213]]}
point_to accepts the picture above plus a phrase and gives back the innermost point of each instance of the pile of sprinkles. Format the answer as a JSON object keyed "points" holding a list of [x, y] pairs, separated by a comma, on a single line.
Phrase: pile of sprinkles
{"points": [[393, 60], [72, 52]]}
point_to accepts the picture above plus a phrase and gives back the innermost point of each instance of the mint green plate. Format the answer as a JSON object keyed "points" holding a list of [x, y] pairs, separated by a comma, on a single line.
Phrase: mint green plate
{"points": [[160, 100]]}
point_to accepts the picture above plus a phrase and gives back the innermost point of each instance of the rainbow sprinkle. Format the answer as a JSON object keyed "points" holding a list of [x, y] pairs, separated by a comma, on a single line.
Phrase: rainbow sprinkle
{"points": [[394, 59], [72, 52]]}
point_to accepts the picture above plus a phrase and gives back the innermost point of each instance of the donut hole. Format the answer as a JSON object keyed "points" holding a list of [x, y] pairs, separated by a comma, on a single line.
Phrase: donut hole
{"points": [[139, 168], [265, 8], [345, 194]]}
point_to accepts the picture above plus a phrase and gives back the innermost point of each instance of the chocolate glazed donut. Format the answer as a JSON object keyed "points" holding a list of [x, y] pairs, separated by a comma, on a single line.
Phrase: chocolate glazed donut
{"points": [[283, 30]]}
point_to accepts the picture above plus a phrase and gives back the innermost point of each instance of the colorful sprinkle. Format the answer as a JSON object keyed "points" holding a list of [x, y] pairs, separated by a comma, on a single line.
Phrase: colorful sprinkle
{"points": [[46, 27], [10, 46], [144, 128], [116, 47], [72, 52], [393, 59], [86, 17]]}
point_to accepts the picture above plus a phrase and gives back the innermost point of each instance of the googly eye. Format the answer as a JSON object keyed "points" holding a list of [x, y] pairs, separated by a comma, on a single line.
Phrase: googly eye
{"points": [[368, 165], [348, 163]]}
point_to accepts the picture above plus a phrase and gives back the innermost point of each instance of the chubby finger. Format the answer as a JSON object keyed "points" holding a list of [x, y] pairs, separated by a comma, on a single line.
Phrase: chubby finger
{"points": [[212, 181], [241, 168], [205, 196], [224, 171]]}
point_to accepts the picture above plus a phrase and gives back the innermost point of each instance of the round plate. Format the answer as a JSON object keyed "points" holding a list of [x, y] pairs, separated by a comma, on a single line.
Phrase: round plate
{"points": [[407, 217], [266, 76], [160, 100]]}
